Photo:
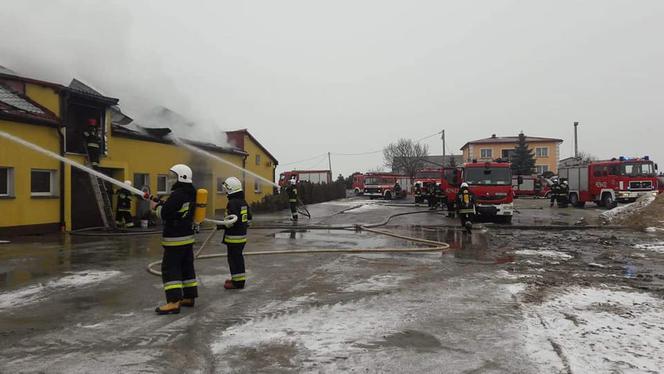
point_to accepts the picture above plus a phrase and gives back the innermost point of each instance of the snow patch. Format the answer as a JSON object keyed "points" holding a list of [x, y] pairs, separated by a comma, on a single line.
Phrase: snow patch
{"points": [[40, 292], [376, 283], [654, 247], [363, 208], [623, 211], [592, 330], [544, 253]]}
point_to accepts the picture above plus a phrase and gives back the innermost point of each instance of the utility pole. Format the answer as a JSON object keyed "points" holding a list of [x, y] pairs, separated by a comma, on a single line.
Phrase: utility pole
{"points": [[576, 140], [443, 138], [329, 163]]}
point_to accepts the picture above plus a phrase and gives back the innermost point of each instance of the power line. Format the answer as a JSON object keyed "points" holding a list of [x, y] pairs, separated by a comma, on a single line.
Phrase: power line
{"points": [[427, 137], [306, 159]]}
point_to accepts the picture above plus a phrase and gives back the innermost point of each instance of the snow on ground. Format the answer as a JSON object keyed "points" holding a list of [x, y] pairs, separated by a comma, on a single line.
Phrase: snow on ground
{"points": [[624, 211], [363, 208], [544, 253], [654, 247], [596, 330], [39, 292], [376, 283]]}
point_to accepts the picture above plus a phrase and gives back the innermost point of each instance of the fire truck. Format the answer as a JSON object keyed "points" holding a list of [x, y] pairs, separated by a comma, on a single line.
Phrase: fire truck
{"points": [[491, 183], [608, 182], [382, 185], [358, 183], [531, 185], [313, 176]]}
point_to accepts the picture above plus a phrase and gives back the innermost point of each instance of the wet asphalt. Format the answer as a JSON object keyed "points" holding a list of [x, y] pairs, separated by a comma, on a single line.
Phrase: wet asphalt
{"points": [[82, 304]]}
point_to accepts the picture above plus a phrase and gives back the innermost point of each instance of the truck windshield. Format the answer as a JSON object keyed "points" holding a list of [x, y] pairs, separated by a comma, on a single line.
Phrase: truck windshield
{"points": [[378, 181], [429, 175], [488, 176], [638, 170]]}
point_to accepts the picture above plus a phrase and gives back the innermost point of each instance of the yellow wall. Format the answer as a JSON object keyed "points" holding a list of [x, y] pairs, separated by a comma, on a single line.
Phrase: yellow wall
{"points": [[265, 169], [24, 209], [473, 151], [45, 96]]}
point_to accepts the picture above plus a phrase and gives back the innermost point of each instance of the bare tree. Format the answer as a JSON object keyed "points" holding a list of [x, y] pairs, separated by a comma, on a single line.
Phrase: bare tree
{"points": [[586, 156], [405, 156]]}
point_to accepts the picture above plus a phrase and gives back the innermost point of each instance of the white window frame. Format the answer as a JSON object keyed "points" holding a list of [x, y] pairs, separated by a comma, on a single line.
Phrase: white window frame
{"points": [[257, 186], [53, 186], [488, 151], [540, 169], [542, 152], [10, 182], [166, 191], [146, 180]]}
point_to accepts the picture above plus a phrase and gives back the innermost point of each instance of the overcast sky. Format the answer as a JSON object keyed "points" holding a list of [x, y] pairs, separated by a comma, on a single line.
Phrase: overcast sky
{"points": [[307, 77]]}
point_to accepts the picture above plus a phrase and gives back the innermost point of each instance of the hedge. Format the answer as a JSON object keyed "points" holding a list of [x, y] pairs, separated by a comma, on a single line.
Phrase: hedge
{"points": [[309, 193]]}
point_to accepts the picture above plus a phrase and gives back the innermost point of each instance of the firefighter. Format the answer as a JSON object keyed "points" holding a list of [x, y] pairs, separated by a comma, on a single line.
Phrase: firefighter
{"points": [[235, 236], [432, 196], [555, 191], [397, 190], [418, 193], [92, 142], [291, 190], [177, 267], [123, 216], [465, 206], [441, 198]]}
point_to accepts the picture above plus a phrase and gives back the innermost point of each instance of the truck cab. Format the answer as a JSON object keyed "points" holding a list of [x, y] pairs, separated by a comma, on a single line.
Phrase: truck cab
{"points": [[491, 183], [358, 183], [384, 185]]}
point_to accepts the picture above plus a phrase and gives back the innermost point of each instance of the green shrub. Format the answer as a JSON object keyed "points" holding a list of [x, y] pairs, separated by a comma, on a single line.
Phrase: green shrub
{"points": [[309, 193]]}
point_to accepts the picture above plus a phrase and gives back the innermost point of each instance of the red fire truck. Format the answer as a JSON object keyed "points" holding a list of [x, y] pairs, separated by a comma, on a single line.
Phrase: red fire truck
{"points": [[313, 176], [491, 183], [448, 180], [608, 182], [358, 183], [383, 185], [531, 185]]}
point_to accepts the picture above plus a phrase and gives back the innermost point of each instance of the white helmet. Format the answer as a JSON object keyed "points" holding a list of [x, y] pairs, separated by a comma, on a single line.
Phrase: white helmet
{"points": [[232, 185], [128, 182], [183, 173], [293, 181], [464, 185]]}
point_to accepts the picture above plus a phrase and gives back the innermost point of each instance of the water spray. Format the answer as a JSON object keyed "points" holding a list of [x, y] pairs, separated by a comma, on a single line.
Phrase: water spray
{"points": [[75, 164], [192, 148]]}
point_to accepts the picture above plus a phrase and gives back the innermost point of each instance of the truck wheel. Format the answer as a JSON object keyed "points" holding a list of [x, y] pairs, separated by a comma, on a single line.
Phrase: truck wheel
{"points": [[574, 200], [506, 219], [388, 195], [357, 191], [608, 202]]}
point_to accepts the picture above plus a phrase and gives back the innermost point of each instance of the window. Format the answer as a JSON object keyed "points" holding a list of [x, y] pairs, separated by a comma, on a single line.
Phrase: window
{"points": [[258, 160], [42, 183], [257, 186], [162, 184], [6, 182], [541, 152], [507, 154], [486, 153], [541, 169], [141, 180]]}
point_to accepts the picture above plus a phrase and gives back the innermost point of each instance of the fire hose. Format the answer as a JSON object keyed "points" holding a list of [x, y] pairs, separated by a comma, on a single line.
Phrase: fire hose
{"points": [[434, 246]]}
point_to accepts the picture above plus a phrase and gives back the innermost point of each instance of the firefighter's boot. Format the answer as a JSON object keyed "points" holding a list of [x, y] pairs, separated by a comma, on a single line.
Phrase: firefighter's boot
{"points": [[168, 308], [469, 226], [188, 302], [234, 285]]}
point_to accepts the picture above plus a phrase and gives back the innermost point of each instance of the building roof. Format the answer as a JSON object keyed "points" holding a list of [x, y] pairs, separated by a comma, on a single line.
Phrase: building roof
{"points": [[160, 135], [253, 139], [79, 88], [511, 139], [15, 106]]}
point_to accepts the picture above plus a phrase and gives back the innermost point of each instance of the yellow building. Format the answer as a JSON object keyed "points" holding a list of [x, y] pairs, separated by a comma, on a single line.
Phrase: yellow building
{"points": [[546, 150], [41, 194]]}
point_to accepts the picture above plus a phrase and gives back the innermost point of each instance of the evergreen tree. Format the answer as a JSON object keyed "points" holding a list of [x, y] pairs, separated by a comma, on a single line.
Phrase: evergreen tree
{"points": [[523, 160]]}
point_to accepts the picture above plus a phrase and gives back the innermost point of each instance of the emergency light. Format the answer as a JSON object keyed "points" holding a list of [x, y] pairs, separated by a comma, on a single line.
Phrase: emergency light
{"points": [[647, 158]]}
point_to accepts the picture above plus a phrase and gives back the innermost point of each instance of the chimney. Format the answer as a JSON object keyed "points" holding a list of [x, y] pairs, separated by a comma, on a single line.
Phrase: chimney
{"points": [[493, 136]]}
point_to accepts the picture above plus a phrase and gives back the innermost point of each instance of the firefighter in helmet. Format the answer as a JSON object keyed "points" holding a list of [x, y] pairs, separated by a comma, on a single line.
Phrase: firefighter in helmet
{"points": [[291, 190], [465, 206], [555, 191], [123, 216], [235, 236], [432, 196], [418, 192], [177, 267], [93, 142]]}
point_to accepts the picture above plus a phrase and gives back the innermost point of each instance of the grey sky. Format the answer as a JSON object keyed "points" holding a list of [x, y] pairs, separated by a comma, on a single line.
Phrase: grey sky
{"points": [[307, 77]]}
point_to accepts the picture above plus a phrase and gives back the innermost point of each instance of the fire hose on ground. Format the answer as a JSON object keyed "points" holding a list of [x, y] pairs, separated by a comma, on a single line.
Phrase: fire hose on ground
{"points": [[434, 246]]}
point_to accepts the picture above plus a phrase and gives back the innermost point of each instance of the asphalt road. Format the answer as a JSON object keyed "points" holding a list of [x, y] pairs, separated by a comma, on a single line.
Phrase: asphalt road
{"points": [[504, 300]]}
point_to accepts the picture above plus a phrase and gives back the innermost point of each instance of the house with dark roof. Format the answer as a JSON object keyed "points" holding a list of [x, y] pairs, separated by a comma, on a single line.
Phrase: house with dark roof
{"points": [[546, 150], [41, 194]]}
